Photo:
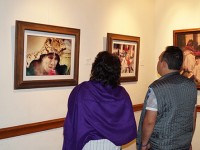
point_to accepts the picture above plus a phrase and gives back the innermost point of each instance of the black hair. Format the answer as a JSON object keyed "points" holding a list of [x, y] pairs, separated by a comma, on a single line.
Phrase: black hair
{"points": [[173, 56], [106, 69], [60, 69], [42, 56]]}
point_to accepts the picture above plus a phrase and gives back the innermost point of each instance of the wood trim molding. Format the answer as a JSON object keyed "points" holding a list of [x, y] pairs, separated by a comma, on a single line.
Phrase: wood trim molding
{"points": [[137, 107], [198, 108], [30, 128], [44, 125]]}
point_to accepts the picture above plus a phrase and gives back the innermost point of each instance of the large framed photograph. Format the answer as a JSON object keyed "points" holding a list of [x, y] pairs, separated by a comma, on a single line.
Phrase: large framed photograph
{"points": [[45, 56], [127, 49], [189, 42]]}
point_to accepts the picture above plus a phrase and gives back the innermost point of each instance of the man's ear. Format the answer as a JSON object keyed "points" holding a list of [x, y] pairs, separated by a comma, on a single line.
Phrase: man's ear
{"points": [[165, 65]]}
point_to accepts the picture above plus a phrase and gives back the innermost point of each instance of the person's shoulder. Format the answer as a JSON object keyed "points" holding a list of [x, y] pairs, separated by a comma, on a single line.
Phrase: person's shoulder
{"points": [[155, 82], [190, 84], [85, 83], [80, 87], [187, 79], [177, 80], [161, 82], [121, 89], [82, 84]]}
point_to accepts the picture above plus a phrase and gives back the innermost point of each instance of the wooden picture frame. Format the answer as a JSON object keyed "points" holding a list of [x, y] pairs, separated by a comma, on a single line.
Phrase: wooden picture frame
{"points": [[58, 45], [189, 42], [127, 48]]}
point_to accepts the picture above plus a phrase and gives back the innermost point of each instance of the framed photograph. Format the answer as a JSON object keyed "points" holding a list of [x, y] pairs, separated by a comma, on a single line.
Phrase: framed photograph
{"points": [[127, 49], [189, 42], [45, 56]]}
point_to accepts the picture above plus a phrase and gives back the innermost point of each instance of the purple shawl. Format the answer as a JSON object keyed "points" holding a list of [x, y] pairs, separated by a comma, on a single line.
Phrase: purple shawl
{"points": [[98, 112]]}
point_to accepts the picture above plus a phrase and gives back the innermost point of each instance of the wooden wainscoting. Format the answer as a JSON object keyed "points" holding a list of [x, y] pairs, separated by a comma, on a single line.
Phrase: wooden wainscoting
{"points": [[39, 126], [198, 108], [30, 128]]}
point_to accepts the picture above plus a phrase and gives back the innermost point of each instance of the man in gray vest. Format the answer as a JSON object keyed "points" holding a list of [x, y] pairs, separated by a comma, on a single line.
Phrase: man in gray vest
{"points": [[168, 117]]}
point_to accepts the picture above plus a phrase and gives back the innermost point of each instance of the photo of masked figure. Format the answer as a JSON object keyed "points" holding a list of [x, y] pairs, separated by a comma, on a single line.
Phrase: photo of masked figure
{"points": [[53, 58], [48, 64]]}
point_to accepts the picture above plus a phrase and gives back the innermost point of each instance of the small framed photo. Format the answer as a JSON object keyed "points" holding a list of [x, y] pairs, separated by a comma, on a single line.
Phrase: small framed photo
{"points": [[45, 56], [127, 49], [189, 42]]}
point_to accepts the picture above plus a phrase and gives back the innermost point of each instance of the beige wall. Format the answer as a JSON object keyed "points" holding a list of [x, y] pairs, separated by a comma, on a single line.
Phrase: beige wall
{"points": [[153, 21]]}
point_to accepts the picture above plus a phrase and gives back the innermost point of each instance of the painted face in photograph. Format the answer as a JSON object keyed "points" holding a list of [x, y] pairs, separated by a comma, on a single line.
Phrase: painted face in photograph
{"points": [[49, 62]]}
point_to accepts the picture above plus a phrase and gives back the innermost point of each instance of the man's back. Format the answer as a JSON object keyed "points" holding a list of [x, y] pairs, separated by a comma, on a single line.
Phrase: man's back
{"points": [[176, 98], [167, 119]]}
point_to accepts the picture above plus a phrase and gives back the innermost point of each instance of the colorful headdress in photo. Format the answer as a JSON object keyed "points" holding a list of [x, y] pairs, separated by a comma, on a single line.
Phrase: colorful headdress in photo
{"points": [[62, 47]]}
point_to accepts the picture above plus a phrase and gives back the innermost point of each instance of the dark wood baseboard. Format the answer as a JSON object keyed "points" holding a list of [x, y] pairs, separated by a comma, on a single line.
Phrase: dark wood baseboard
{"points": [[44, 125], [198, 108], [137, 107], [30, 128]]}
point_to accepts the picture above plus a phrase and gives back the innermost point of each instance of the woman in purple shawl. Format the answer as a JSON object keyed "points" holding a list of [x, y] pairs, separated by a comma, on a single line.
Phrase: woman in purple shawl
{"points": [[100, 113]]}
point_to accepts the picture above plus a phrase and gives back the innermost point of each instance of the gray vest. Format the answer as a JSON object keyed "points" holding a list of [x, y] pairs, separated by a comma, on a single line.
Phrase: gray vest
{"points": [[176, 98]]}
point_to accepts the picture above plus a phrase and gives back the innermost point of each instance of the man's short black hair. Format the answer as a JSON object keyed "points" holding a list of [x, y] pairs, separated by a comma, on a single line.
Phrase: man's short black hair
{"points": [[173, 56]]}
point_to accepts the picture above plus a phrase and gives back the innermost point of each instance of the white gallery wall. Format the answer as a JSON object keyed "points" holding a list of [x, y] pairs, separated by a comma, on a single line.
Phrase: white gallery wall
{"points": [[151, 20]]}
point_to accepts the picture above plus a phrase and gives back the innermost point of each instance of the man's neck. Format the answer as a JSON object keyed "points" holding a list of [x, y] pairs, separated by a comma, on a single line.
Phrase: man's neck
{"points": [[169, 71]]}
